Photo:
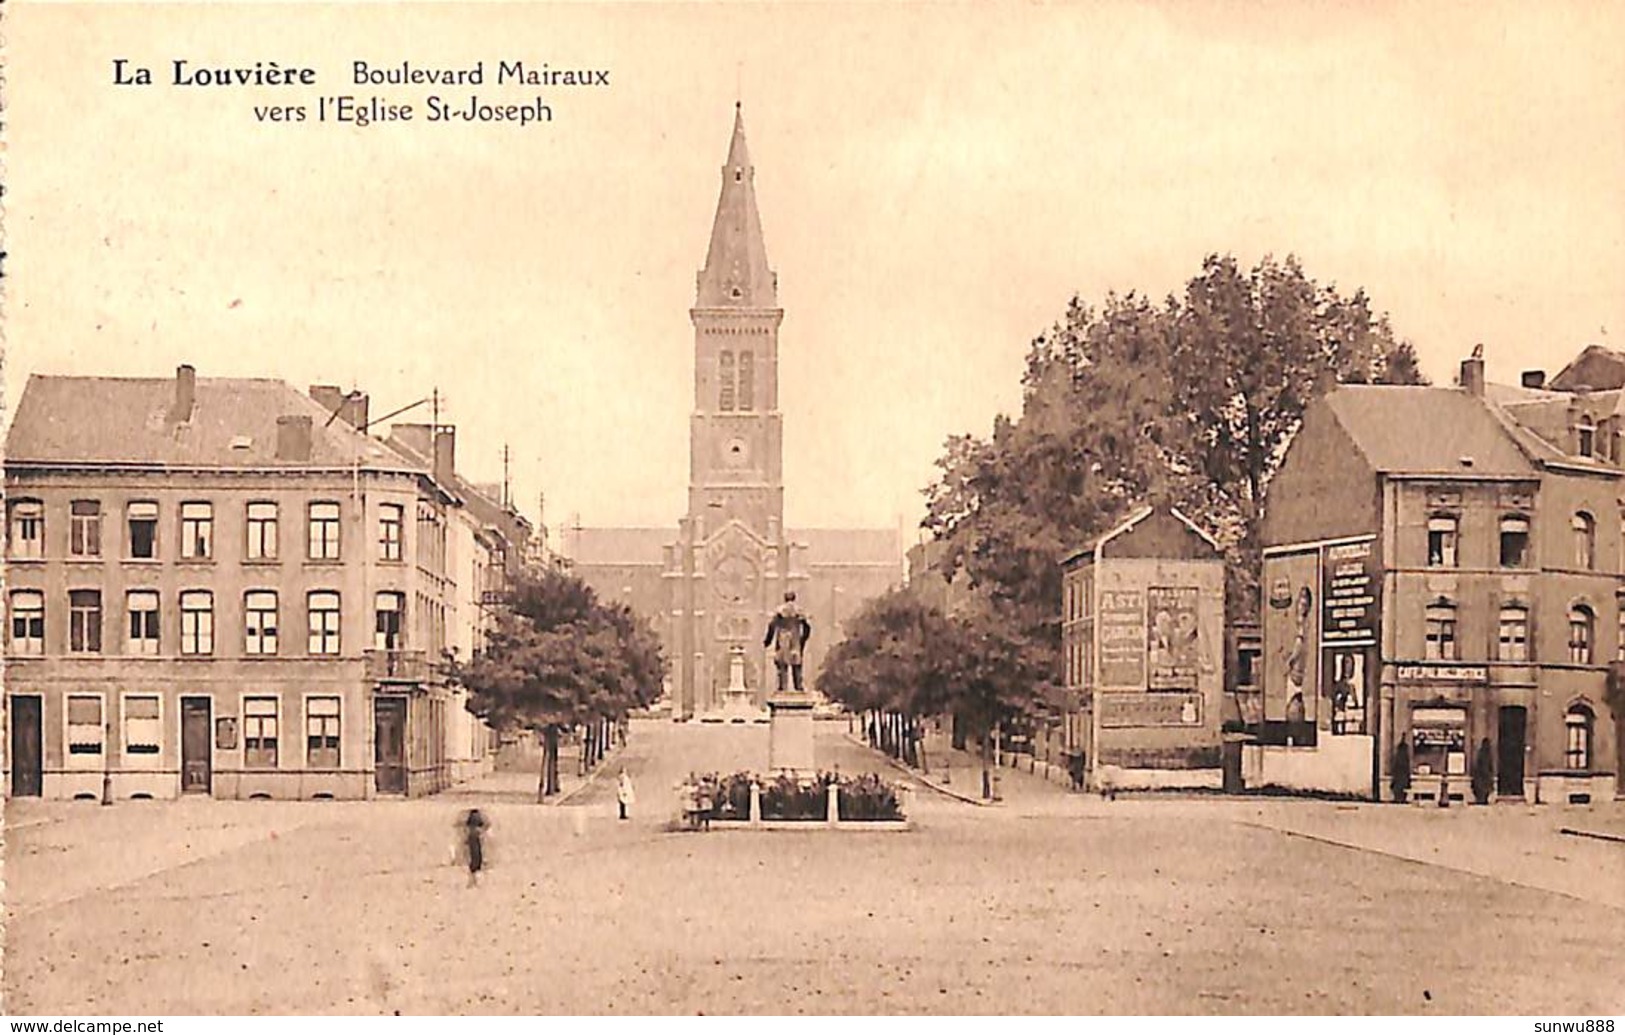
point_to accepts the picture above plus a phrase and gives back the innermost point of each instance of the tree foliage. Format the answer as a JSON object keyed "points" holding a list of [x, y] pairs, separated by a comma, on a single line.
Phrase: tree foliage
{"points": [[557, 657]]}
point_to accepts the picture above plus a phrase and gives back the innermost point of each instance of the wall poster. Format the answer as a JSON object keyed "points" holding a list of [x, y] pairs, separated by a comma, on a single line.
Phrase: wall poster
{"points": [[1122, 638], [1291, 636], [1174, 647]]}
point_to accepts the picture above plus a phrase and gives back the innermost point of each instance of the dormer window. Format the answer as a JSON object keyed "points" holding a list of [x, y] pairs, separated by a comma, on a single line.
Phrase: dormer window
{"points": [[1585, 436]]}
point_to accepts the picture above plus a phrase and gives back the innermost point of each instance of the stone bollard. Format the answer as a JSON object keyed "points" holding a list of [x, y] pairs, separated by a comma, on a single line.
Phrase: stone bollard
{"points": [[755, 804], [833, 814]]}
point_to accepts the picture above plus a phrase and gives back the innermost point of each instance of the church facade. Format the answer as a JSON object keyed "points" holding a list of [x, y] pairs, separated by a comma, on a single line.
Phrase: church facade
{"points": [[710, 585]]}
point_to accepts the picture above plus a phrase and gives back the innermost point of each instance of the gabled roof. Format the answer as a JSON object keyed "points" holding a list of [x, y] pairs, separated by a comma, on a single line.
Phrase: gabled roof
{"points": [[1594, 367], [617, 545], [1170, 522], [1406, 429], [850, 545], [232, 424]]}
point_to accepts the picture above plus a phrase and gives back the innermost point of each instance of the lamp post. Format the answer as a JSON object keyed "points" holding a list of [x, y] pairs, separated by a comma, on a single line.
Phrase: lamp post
{"points": [[107, 762]]}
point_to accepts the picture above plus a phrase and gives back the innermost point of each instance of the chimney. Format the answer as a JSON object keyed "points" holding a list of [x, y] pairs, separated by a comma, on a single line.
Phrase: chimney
{"points": [[1534, 379], [445, 454], [185, 394], [293, 438], [1472, 372], [351, 407]]}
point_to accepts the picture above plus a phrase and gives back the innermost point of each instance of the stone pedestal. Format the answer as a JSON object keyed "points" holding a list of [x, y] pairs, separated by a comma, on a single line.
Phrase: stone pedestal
{"points": [[790, 733]]}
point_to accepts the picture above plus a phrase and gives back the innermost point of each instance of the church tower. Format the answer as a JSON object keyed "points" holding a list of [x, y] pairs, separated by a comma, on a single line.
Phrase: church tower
{"points": [[735, 554]]}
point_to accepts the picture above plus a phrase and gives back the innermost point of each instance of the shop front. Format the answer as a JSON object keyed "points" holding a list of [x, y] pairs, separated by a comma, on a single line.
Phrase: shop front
{"points": [[1436, 702]]}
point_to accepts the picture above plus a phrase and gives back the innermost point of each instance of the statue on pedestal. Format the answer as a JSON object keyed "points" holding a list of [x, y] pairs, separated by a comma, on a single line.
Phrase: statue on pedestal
{"points": [[787, 634]]}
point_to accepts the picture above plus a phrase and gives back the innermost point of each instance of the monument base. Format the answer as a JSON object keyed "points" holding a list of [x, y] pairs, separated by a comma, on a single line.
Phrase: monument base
{"points": [[790, 733]]}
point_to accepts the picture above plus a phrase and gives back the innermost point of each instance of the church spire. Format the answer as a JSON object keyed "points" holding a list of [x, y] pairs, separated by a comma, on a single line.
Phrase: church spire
{"points": [[736, 273]]}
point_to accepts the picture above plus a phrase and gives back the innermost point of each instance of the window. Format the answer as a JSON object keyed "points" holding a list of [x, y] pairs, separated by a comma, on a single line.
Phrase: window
{"points": [[85, 733], [85, 621], [324, 532], [262, 532], [390, 625], [27, 622], [259, 622], [322, 732], [142, 607], [143, 521], [1582, 633], [747, 380], [259, 732], [1441, 631], [85, 528], [324, 622], [725, 379], [28, 529], [1442, 541], [391, 529], [1512, 643], [1585, 541], [142, 728], [197, 622], [1578, 723], [1585, 436], [1514, 541], [197, 531]]}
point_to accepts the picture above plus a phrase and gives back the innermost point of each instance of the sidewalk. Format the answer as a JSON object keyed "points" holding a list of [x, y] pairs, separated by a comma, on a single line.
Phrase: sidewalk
{"points": [[958, 774], [520, 784]]}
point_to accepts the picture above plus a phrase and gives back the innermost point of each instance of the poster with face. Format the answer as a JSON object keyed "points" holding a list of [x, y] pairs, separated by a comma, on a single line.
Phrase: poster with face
{"points": [[1173, 643], [1347, 690], [1291, 636]]}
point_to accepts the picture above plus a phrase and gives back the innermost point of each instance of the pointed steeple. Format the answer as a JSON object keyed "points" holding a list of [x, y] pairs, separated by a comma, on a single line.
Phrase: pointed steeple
{"points": [[736, 273]]}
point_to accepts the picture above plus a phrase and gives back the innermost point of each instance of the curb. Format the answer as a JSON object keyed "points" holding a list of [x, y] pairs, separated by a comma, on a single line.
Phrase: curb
{"points": [[1617, 839], [921, 780]]}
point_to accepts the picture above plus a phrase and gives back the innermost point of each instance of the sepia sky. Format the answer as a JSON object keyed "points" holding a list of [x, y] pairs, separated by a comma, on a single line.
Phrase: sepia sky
{"points": [[935, 183]]}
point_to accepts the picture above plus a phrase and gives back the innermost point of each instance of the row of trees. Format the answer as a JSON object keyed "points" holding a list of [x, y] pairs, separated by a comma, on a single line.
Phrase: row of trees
{"points": [[558, 658], [1192, 400]]}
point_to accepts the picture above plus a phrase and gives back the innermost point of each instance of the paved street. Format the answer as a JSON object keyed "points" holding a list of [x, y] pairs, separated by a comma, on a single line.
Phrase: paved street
{"points": [[1050, 902]]}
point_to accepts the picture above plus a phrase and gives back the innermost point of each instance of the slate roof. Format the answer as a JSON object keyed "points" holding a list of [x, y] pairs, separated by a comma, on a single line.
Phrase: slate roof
{"points": [[1404, 429], [233, 424]]}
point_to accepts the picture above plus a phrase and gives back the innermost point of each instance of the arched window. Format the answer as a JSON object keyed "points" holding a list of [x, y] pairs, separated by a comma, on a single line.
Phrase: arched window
{"points": [[747, 380], [1582, 633], [725, 380], [1585, 541], [1441, 630], [197, 622], [1578, 724], [28, 529], [1513, 639]]}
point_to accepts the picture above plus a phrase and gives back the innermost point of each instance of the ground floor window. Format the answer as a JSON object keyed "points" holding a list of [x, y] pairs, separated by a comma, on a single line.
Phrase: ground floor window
{"points": [[1439, 741], [259, 732], [142, 728], [322, 732], [86, 732], [1578, 725]]}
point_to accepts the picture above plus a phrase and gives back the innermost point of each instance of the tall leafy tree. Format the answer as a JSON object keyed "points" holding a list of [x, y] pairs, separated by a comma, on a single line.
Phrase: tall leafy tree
{"points": [[557, 658]]}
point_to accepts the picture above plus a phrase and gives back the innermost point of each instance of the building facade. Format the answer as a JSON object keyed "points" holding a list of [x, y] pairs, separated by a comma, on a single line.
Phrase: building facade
{"points": [[1143, 653], [710, 588], [223, 587], [1442, 578]]}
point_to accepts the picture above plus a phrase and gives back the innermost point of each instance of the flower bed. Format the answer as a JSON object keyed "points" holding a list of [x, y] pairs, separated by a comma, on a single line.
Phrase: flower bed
{"points": [[798, 799]]}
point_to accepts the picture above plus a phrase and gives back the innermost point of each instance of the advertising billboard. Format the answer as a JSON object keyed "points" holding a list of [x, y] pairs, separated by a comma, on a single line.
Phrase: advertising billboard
{"points": [[1291, 636], [1174, 644], [1122, 638]]}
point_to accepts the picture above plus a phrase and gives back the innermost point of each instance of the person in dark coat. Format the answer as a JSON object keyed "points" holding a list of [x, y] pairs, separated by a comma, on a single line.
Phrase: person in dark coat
{"points": [[474, 826], [787, 634]]}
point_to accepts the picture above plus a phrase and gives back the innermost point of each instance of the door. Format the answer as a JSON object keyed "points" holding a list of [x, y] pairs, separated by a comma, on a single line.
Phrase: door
{"points": [[197, 759], [1509, 770], [389, 739], [27, 762]]}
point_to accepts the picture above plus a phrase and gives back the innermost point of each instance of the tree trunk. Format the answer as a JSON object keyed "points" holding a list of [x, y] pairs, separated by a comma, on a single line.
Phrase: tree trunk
{"points": [[987, 760], [919, 747]]}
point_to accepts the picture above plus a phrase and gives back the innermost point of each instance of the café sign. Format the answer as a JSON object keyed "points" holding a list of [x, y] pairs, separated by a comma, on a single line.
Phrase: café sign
{"points": [[1444, 674]]}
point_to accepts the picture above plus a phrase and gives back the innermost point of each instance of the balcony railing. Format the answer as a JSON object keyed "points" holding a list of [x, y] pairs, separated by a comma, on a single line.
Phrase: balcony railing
{"points": [[399, 666]]}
